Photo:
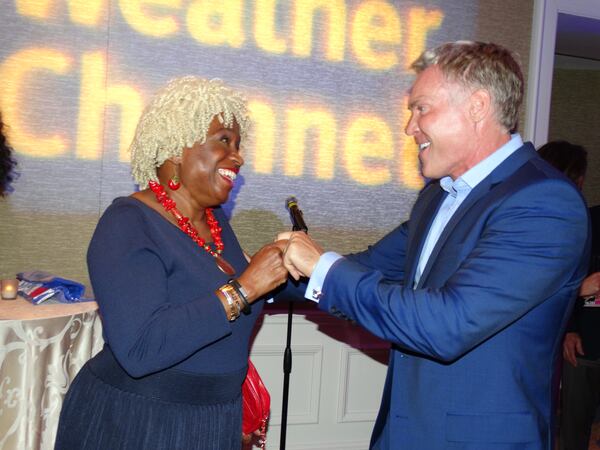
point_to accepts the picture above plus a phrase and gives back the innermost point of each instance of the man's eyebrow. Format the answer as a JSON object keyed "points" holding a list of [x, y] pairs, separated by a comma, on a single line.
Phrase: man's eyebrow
{"points": [[412, 104], [419, 98]]}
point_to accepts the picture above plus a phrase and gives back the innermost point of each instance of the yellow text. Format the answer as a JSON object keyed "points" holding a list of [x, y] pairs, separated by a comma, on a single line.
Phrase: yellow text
{"points": [[374, 34]]}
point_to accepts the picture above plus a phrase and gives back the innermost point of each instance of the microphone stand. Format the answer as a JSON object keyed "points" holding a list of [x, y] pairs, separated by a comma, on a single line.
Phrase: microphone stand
{"points": [[287, 367]]}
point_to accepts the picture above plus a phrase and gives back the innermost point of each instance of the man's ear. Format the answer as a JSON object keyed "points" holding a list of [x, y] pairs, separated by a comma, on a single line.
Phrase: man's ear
{"points": [[480, 105]]}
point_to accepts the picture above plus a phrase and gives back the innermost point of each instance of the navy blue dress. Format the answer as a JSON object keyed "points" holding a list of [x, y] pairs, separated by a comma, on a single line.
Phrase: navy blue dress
{"points": [[170, 374]]}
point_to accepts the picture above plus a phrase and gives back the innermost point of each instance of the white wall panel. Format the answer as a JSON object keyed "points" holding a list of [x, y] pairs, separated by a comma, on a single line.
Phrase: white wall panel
{"points": [[336, 381]]}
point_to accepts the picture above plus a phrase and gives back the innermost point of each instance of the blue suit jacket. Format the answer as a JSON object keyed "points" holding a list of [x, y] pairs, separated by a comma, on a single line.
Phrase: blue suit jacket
{"points": [[474, 345]]}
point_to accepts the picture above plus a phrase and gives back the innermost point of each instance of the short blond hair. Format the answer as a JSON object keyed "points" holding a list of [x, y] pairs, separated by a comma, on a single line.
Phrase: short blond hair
{"points": [[178, 116], [481, 65]]}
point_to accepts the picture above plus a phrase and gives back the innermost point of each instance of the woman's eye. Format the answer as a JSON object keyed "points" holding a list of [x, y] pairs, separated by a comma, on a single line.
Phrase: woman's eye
{"points": [[225, 139]]}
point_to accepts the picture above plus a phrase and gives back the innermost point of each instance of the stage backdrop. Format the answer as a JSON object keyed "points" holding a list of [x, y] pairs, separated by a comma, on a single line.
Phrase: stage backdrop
{"points": [[326, 82]]}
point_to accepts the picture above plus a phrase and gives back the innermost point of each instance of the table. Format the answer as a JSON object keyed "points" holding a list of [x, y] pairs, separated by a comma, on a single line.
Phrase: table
{"points": [[42, 347]]}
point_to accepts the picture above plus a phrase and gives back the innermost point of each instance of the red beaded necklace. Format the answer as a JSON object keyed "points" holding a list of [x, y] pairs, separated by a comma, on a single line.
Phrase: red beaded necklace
{"points": [[186, 226]]}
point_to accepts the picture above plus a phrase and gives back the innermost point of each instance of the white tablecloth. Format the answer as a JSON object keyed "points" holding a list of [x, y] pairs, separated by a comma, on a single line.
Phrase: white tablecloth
{"points": [[41, 350]]}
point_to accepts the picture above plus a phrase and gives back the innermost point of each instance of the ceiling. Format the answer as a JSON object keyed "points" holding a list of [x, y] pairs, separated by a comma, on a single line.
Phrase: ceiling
{"points": [[577, 42]]}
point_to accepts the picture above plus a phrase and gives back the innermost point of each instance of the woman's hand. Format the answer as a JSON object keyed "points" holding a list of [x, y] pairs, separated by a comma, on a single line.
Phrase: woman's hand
{"points": [[265, 271], [249, 438], [246, 438]]}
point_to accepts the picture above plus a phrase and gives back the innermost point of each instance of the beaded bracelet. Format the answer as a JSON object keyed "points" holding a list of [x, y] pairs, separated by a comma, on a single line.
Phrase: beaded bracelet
{"points": [[241, 293]]}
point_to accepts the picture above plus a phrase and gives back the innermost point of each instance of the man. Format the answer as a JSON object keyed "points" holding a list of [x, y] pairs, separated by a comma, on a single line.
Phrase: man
{"points": [[580, 393], [580, 387], [474, 290]]}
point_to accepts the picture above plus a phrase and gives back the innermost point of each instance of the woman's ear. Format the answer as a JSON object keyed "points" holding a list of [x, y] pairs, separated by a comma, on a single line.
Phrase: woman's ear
{"points": [[175, 160]]}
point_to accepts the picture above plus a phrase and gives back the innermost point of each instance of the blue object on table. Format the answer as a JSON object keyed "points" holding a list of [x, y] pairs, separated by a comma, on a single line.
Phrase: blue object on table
{"points": [[37, 287]]}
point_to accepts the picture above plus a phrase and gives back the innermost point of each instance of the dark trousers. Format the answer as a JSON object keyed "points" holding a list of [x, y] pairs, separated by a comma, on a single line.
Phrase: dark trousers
{"points": [[580, 397]]}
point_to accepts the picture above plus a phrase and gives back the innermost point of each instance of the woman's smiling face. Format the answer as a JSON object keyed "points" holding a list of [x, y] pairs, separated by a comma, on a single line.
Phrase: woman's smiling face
{"points": [[208, 170]]}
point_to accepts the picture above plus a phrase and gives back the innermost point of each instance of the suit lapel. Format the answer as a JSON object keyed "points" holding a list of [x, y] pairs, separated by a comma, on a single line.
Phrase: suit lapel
{"points": [[499, 174], [420, 223]]}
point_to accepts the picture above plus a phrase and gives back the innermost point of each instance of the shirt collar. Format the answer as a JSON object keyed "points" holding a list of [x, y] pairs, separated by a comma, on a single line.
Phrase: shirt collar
{"points": [[478, 172], [453, 187]]}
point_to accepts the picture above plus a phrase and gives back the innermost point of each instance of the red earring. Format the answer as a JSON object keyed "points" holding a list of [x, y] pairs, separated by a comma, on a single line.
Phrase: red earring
{"points": [[174, 183]]}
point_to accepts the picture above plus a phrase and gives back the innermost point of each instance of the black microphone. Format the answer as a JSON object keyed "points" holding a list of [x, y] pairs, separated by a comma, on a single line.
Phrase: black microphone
{"points": [[295, 215]]}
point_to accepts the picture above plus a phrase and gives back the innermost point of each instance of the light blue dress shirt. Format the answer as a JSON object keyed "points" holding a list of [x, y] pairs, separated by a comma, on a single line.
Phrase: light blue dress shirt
{"points": [[457, 190]]}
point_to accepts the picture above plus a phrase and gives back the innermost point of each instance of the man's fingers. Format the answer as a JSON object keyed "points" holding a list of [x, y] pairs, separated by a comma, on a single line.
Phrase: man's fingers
{"points": [[570, 356], [284, 236], [281, 244], [292, 270], [289, 265]]}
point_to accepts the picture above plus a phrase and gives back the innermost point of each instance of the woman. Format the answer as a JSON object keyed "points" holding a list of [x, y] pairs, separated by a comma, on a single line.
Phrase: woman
{"points": [[176, 331]]}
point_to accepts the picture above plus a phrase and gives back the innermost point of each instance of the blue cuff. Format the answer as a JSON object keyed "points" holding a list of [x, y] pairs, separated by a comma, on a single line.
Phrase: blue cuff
{"points": [[315, 284]]}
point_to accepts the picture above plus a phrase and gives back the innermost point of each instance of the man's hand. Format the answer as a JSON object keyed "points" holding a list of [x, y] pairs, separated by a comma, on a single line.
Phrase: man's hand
{"points": [[301, 253], [590, 286], [571, 347]]}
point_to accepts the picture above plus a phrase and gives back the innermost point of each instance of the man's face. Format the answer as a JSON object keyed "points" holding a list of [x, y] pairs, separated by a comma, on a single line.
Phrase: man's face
{"points": [[440, 125]]}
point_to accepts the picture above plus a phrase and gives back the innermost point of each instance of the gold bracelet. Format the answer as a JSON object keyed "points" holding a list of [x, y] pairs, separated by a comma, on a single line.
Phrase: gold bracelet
{"points": [[233, 312], [235, 296]]}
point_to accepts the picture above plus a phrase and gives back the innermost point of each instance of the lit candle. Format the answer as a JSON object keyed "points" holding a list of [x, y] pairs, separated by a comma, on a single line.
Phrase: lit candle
{"points": [[9, 289]]}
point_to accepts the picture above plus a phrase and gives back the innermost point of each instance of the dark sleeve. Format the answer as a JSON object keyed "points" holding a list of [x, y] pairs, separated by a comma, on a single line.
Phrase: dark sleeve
{"points": [[595, 219], [574, 324], [129, 274]]}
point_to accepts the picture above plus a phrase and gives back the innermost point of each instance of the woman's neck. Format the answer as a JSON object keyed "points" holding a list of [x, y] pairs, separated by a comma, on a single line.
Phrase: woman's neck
{"points": [[196, 215]]}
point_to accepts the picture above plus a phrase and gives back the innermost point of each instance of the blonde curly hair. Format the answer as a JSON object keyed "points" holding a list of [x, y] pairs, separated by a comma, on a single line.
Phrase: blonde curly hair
{"points": [[178, 116]]}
